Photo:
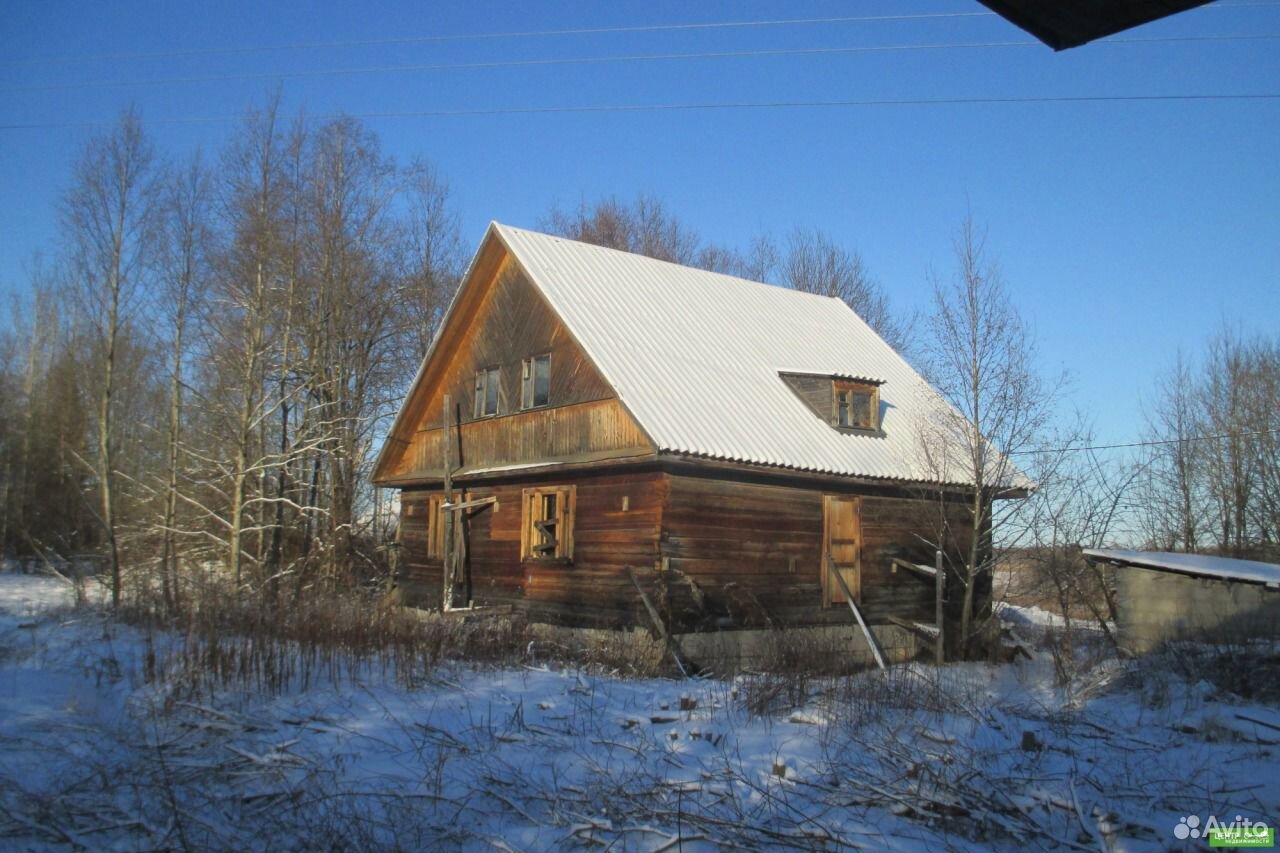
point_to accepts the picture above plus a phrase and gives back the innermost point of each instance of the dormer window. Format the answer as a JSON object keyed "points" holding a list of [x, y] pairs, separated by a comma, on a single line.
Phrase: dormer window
{"points": [[848, 402], [854, 405]]}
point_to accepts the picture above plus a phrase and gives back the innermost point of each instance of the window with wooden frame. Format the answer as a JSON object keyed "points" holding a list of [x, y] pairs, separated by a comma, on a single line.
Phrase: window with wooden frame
{"points": [[855, 405], [435, 527], [535, 382], [546, 523], [487, 384]]}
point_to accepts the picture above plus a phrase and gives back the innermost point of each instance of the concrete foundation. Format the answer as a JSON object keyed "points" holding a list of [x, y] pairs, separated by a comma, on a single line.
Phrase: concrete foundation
{"points": [[832, 648]]}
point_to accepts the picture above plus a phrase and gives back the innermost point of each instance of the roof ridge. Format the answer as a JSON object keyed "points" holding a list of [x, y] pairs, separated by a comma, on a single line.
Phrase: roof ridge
{"points": [[636, 256]]}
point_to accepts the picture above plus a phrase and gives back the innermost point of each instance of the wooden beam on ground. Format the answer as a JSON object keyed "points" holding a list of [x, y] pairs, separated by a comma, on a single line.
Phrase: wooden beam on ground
{"points": [[857, 614], [657, 622]]}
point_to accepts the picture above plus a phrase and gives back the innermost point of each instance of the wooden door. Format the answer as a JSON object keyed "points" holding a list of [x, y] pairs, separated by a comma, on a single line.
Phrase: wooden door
{"points": [[842, 547]]}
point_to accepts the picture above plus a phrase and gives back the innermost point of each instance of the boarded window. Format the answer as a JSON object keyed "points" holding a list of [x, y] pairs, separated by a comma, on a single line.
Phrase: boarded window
{"points": [[435, 527], [535, 382], [486, 392], [855, 406], [546, 523]]}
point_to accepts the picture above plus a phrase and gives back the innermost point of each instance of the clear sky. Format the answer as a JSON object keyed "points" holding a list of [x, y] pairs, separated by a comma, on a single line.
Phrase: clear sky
{"points": [[1126, 228]]}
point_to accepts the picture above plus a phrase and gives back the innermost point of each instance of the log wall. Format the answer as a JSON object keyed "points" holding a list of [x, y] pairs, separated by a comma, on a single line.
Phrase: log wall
{"points": [[711, 553], [593, 591]]}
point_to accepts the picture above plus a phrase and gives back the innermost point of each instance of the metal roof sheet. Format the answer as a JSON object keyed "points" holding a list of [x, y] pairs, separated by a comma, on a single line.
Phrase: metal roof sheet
{"points": [[1199, 565], [695, 356]]}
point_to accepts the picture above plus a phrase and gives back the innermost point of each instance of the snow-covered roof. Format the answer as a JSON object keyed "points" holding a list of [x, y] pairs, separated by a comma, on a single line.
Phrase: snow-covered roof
{"points": [[1225, 568], [696, 357]]}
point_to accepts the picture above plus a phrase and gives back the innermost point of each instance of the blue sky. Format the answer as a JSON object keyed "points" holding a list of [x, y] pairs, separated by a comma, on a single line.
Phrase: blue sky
{"points": [[1125, 228]]}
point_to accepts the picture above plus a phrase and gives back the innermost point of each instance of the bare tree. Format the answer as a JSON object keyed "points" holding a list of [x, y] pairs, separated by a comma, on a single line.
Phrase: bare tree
{"points": [[353, 333], [1172, 507], [814, 263], [186, 243], [981, 357], [643, 227], [242, 316], [1080, 501], [1230, 461], [434, 256], [108, 217]]}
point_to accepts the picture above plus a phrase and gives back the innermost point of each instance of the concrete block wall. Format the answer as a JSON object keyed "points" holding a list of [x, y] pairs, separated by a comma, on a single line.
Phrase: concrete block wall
{"points": [[1155, 607]]}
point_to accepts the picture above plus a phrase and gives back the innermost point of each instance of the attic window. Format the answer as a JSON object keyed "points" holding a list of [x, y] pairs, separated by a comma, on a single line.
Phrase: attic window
{"points": [[854, 405], [535, 382], [486, 392]]}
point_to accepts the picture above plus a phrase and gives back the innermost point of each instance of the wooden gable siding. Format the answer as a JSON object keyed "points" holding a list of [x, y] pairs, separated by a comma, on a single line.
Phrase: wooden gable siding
{"points": [[562, 432], [591, 591], [504, 322], [512, 323]]}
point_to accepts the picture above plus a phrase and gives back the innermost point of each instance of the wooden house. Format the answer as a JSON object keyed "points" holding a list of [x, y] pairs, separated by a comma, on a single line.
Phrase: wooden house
{"points": [[600, 439]]}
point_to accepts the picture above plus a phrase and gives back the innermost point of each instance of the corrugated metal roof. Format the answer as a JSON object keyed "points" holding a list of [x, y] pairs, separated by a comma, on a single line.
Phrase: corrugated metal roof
{"points": [[695, 356], [1199, 565]]}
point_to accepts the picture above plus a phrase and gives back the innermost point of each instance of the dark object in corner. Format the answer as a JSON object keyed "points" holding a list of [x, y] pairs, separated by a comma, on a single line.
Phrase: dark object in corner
{"points": [[1067, 25]]}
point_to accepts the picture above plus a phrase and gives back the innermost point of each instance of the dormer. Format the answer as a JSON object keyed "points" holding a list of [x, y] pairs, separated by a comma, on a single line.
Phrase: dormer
{"points": [[848, 402]]}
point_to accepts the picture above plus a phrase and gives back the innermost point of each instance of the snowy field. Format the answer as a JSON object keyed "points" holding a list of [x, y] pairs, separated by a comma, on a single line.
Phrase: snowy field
{"points": [[100, 751]]}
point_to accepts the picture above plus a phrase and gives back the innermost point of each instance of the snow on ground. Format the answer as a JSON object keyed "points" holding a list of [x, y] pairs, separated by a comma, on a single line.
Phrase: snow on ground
{"points": [[539, 758]]}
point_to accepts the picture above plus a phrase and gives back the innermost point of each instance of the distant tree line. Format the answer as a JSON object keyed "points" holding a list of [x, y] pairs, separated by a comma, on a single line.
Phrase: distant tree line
{"points": [[198, 373], [1212, 483]]}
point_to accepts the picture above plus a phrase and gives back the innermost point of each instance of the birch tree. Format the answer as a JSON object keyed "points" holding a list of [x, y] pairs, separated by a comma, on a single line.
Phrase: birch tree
{"points": [[980, 355], [187, 241], [107, 218]]}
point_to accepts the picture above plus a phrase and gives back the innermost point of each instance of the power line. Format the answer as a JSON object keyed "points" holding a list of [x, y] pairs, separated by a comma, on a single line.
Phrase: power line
{"points": [[1155, 443], [694, 107], [596, 60], [530, 34], [527, 34], [513, 34]]}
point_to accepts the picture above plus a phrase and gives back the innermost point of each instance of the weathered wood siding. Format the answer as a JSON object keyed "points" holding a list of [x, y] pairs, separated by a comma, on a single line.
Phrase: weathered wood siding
{"points": [[711, 552], [561, 432], [814, 391], [592, 591], [502, 325], [756, 551], [512, 323]]}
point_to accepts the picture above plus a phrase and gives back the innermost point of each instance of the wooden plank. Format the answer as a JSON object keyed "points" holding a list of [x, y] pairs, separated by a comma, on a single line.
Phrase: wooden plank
{"points": [[657, 622], [862, 623], [929, 633], [450, 558], [927, 571], [471, 504], [940, 591]]}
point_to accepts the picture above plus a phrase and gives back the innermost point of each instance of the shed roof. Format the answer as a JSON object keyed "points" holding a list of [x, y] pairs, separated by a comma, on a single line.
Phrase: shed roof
{"points": [[1199, 565], [696, 357]]}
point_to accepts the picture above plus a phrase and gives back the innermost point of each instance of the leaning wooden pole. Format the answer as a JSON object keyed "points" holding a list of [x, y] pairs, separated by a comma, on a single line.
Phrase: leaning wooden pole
{"points": [[939, 597], [448, 517], [857, 612], [667, 640]]}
